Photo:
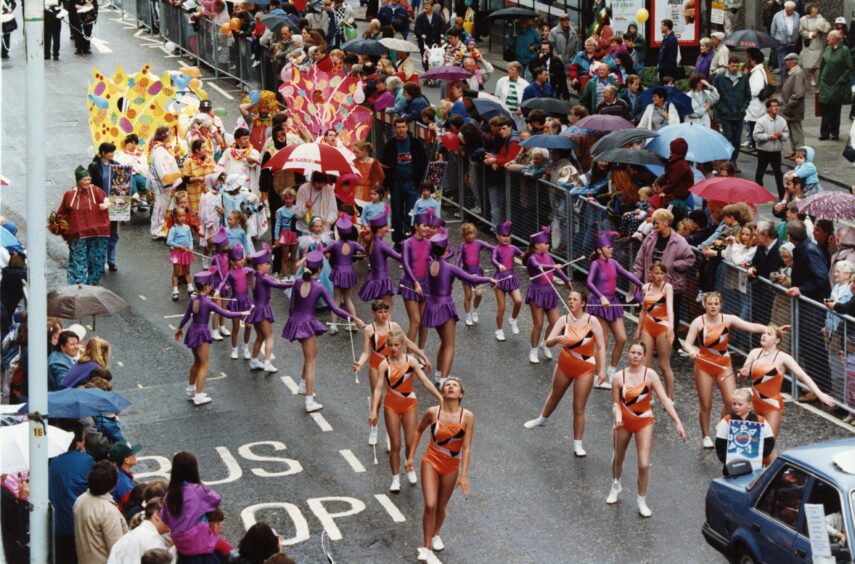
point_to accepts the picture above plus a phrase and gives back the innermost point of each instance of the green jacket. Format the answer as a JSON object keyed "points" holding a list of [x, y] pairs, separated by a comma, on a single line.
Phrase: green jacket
{"points": [[835, 76], [588, 97], [733, 96]]}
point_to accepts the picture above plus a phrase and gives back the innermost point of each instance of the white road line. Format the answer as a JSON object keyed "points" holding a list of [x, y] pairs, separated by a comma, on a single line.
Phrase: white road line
{"points": [[221, 91], [182, 63], [390, 508], [220, 377], [140, 386], [352, 460], [173, 316], [290, 384], [100, 45], [322, 423], [88, 327], [120, 364], [142, 297], [171, 326]]}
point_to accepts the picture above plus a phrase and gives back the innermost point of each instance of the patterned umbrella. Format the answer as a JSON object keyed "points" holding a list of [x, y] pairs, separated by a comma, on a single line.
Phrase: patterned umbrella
{"points": [[829, 205], [311, 157]]}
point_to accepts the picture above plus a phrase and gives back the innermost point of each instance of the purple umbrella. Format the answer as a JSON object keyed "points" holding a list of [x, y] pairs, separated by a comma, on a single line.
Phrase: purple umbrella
{"points": [[601, 124], [829, 205], [446, 72]]}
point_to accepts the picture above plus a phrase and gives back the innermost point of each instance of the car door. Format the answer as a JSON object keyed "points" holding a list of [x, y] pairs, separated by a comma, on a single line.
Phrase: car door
{"points": [[827, 495], [775, 517]]}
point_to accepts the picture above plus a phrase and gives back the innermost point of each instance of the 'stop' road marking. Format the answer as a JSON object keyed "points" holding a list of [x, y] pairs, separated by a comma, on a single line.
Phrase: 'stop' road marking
{"points": [[352, 460], [290, 384], [322, 423], [390, 508]]}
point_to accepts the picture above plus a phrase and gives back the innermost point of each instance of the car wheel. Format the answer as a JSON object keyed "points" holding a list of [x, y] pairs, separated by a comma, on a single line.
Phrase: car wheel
{"points": [[743, 556]]}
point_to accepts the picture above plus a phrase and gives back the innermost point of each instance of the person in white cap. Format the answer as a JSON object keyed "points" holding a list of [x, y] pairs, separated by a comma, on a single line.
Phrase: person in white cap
{"points": [[720, 54]]}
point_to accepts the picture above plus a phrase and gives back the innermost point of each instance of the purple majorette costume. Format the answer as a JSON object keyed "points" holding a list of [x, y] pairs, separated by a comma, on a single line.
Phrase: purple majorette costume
{"points": [[261, 293], [540, 290], [379, 281], [415, 255], [602, 281], [440, 304], [503, 255], [302, 322], [237, 279], [198, 333], [341, 253], [469, 257], [220, 260]]}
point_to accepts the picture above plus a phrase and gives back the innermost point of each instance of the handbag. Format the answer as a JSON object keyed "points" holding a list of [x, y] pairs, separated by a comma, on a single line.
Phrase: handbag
{"points": [[817, 105], [509, 54], [767, 91], [849, 152], [10, 25], [350, 31]]}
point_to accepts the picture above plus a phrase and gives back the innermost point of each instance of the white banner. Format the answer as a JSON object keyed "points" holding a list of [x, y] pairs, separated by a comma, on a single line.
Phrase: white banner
{"points": [[684, 14], [623, 14]]}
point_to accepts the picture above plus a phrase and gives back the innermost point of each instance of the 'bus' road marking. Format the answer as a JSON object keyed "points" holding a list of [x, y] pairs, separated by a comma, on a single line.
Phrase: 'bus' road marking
{"points": [[352, 460], [220, 90], [322, 423], [390, 508], [290, 384]]}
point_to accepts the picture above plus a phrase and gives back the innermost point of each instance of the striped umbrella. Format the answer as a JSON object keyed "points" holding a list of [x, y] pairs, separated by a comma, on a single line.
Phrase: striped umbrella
{"points": [[829, 205], [311, 157]]}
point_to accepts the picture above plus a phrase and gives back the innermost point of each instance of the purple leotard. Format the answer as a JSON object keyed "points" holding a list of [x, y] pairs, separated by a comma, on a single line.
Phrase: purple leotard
{"points": [[343, 274], [440, 304], [302, 322], [469, 257], [261, 296], [415, 256], [237, 280], [197, 333], [602, 281], [220, 268], [379, 281], [540, 289], [503, 255]]}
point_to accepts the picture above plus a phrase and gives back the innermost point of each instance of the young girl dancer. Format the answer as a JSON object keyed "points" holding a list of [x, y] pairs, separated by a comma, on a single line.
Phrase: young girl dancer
{"points": [[237, 280], [340, 253], [583, 352], [303, 326], [656, 322], [262, 314], [469, 259], [400, 406], [219, 268], [632, 390], [379, 283], [316, 240], [198, 337], [415, 256], [506, 279], [180, 241], [373, 209], [286, 232], [236, 230], [602, 282], [445, 463], [542, 296]]}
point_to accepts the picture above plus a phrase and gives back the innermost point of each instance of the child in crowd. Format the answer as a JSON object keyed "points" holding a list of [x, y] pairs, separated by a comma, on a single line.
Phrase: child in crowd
{"points": [[131, 155], [236, 231], [741, 410], [806, 170], [469, 259], [316, 240], [210, 210], [684, 228], [182, 200], [369, 169], [375, 207], [286, 232], [234, 199], [641, 216], [215, 522], [180, 242], [727, 170], [427, 201]]}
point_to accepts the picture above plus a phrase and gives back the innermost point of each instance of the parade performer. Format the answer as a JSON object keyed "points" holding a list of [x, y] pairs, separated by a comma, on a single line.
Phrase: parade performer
{"points": [[238, 280], [400, 406], [711, 332], [602, 283], [163, 178], [198, 337], [262, 314], [469, 259], [415, 255], [656, 322], [583, 353], [180, 242], [541, 296], [316, 240], [219, 269], [445, 463], [303, 326], [506, 280], [632, 390], [379, 282], [341, 255]]}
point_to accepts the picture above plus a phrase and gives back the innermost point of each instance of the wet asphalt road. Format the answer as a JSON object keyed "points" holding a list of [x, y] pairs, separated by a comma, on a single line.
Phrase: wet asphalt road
{"points": [[531, 500]]}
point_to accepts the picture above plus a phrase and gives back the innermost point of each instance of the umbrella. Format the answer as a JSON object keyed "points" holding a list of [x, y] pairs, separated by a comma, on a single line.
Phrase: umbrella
{"points": [[446, 72], [15, 446], [659, 170], [705, 144], [548, 105], [9, 240], [638, 157], [513, 13], [276, 23], [601, 123], [74, 403], [401, 45], [829, 205], [367, 47], [621, 138], [311, 157], [747, 38], [488, 109], [682, 103], [548, 142], [732, 190], [79, 301]]}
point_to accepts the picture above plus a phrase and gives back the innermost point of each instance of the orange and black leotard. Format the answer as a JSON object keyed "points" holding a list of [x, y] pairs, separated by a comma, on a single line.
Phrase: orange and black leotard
{"points": [[635, 408], [766, 382], [713, 355], [577, 359], [446, 441], [379, 350], [656, 306], [400, 395]]}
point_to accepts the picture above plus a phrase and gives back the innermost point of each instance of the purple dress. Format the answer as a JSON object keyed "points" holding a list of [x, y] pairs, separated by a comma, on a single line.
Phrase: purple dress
{"points": [[220, 268], [602, 281], [302, 322], [190, 531], [503, 255], [379, 281], [415, 256], [197, 333], [237, 280], [261, 295], [540, 289], [343, 274], [440, 304], [469, 257]]}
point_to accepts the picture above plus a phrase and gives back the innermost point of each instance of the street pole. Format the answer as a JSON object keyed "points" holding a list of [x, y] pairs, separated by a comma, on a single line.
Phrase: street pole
{"points": [[37, 303]]}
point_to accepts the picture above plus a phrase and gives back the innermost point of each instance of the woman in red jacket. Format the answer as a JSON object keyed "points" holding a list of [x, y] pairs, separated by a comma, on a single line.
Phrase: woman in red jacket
{"points": [[508, 152], [678, 172]]}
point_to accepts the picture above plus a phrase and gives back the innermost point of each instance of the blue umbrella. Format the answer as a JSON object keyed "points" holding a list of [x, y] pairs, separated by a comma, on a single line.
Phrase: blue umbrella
{"points": [[74, 403], [705, 144], [675, 96], [8, 239], [548, 142], [659, 170]]}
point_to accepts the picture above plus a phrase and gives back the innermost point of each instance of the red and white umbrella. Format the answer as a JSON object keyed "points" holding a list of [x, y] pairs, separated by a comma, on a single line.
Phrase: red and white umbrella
{"points": [[829, 205], [311, 157]]}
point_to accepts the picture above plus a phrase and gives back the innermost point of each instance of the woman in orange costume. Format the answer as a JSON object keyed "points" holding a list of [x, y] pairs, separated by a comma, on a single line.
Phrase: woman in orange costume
{"points": [[766, 367], [632, 390], [656, 322], [400, 406], [445, 463], [711, 332]]}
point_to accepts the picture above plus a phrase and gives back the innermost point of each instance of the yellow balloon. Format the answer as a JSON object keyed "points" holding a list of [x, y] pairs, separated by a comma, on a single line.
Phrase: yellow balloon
{"points": [[642, 15]]}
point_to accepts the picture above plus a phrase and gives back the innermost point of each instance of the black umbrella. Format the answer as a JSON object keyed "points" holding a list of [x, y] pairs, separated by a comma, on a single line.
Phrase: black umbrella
{"points": [[747, 38], [638, 157], [367, 47], [275, 23], [548, 105], [620, 138], [513, 13], [489, 109]]}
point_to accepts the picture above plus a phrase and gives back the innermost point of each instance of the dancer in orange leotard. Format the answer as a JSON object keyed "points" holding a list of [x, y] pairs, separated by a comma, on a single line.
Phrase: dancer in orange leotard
{"points": [[656, 322], [445, 463], [711, 333], [400, 407], [632, 390]]}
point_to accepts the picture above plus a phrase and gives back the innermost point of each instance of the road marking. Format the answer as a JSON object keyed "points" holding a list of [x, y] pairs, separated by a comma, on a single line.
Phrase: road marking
{"points": [[120, 364], [322, 423], [173, 316], [140, 386], [142, 297], [100, 45], [89, 328], [221, 91], [352, 460], [182, 63], [171, 326], [220, 377], [290, 384], [390, 508]]}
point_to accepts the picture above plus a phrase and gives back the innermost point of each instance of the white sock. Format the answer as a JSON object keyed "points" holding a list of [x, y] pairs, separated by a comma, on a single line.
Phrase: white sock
{"points": [[175, 289], [577, 444], [642, 499], [512, 320], [310, 398], [541, 419], [474, 310]]}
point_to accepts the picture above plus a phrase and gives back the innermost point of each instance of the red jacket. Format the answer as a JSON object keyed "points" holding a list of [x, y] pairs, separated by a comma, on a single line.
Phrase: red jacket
{"points": [[80, 208], [509, 151], [679, 179]]}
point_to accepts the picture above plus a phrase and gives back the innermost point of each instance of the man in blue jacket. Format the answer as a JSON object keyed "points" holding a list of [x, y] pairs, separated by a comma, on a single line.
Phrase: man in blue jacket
{"points": [[668, 51], [68, 476]]}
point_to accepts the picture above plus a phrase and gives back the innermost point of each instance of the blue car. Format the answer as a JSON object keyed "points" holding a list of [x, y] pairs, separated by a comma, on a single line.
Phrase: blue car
{"points": [[759, 516]]}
